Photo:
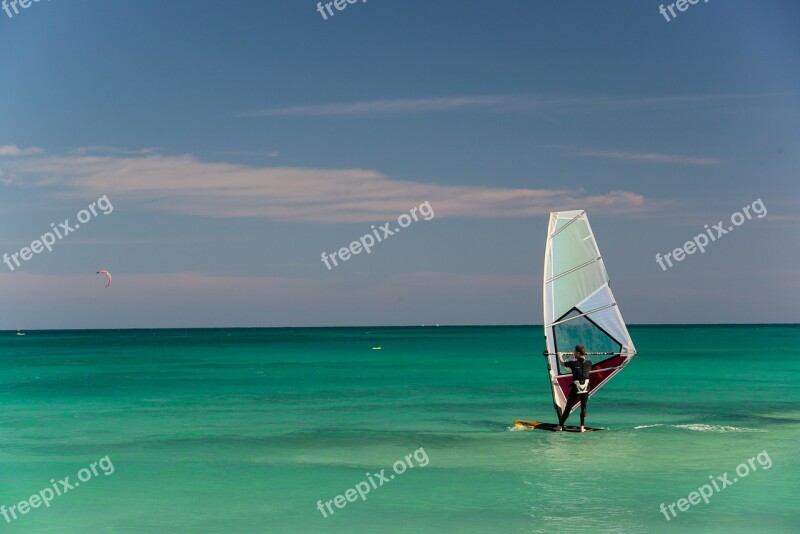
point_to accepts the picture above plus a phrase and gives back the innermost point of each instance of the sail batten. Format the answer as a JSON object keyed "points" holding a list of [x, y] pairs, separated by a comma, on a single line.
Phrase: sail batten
{"points": [[584, 314], [556, 277], [578, 216], [579, 307]]}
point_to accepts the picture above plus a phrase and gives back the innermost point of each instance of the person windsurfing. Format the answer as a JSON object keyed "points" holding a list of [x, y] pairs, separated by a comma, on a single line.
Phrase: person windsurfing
{"points": [[579, 389]]}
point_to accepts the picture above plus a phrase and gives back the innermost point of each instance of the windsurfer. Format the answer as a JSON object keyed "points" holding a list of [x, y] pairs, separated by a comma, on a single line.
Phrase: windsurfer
{"points": [[580, 367]]}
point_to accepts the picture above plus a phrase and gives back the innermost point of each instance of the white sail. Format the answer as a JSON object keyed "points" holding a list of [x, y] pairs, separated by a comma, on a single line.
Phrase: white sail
{"points": [[579, 307]]}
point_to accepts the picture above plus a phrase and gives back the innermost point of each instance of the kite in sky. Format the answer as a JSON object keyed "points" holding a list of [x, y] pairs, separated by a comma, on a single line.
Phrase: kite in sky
{"points": [[107, 274]]}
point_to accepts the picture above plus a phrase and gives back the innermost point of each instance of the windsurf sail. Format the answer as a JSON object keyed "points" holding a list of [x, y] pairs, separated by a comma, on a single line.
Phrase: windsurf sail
{"points": [[579, 307]]}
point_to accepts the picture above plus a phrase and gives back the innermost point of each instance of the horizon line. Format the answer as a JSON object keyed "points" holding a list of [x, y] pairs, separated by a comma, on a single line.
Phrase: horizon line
{"points": [[14, 330]]}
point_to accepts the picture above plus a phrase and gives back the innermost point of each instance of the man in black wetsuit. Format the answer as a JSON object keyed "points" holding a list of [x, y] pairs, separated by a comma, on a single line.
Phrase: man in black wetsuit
{"points": [[580, 367]]}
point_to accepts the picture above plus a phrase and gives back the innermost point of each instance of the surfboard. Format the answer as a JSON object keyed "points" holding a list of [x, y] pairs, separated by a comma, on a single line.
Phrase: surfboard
{"points": [[536, 425]]}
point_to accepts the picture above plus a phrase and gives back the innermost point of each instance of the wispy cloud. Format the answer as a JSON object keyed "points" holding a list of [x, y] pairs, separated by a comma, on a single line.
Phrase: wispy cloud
{"points": [[651, 157], [115, 150], [251, 153], [518, 103], [14, 150], [782, 218], [382, 107], [183, 184]]}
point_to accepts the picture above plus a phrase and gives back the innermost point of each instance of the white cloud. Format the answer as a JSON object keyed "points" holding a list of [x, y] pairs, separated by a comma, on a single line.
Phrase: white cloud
{"points": [[516, 103], [182, 184], [651, 157], [114, 150], [250, 153], [14, 150], [384, 106]]}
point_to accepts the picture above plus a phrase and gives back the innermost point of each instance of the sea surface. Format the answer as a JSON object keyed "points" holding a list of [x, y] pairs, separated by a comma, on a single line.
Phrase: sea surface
{"points": [[245, 430]]}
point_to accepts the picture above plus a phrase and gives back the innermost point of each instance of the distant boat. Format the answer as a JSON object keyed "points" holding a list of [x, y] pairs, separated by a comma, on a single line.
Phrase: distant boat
{"points": [[20, 332]]}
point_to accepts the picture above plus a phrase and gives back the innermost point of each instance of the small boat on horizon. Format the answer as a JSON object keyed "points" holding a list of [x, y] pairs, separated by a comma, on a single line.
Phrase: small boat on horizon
{"points": [[20, 332]]}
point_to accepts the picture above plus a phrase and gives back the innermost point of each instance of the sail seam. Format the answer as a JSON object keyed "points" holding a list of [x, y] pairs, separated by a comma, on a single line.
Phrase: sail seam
{"points": [[579, 267], [582, 315], [578, 216]]}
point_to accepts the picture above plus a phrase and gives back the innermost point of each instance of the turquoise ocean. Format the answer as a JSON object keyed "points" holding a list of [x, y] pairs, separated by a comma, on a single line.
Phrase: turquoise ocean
{"points": [[245, 430]]}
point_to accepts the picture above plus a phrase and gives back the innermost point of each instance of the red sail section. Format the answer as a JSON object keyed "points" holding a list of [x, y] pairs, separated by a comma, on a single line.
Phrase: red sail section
{"points": [[600, 373]]}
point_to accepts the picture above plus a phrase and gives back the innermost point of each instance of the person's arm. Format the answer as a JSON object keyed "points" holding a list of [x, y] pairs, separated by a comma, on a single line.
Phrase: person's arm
{"points": [[564, 362]]}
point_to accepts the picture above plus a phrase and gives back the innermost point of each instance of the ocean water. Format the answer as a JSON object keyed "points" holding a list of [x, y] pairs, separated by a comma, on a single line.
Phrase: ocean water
{"points": [[246, 430]]}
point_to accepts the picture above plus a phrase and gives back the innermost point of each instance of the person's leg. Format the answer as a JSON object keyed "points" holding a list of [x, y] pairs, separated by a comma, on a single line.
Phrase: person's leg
{"points": [[570, 403], [584, 401]]}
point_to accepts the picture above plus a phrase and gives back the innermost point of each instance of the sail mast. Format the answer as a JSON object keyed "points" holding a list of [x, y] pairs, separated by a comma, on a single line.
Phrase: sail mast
{"points": [[548, 251]]}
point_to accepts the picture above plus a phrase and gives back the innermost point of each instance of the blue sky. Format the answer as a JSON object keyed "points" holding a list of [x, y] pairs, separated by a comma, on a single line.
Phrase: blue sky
{"points": [[237, 141]]}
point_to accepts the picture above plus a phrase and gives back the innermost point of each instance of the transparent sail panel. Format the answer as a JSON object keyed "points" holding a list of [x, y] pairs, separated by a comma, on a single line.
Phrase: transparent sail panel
{"points": [[582, 331]]}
